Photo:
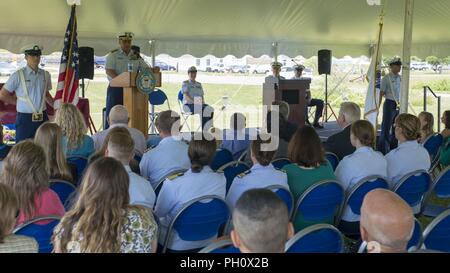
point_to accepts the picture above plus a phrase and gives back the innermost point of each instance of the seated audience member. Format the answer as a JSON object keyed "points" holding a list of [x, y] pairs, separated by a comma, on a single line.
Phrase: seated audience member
{"points": [[280, 135], [261, 223], [339, 143], [171, 153], [387, 222], [119, 117], [24, 170], [444, 156], [362, 163], [101, 152], [4, 149], [308, 166], [426, 125], [261, 175], [102, 219], [409, 156], [9, 242], [236, 139], [121, 147], [49, 137], [200, 180], [73, 126], [289, 127]]}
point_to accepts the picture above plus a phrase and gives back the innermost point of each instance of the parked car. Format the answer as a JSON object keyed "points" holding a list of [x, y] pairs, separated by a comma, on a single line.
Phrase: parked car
{"points": [[6, 69], [216, 68], [165, 67], [238, 69], [420, 66], [260, 69]]}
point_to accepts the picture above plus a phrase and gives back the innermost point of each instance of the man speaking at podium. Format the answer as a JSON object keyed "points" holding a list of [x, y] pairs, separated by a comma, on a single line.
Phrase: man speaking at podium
{"points": [[120, 60]]}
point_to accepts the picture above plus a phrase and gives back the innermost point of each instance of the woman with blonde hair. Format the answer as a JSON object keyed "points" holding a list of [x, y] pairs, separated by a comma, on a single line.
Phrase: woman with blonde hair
{"points": [[102, 220], [24, 170], [49, 137], [409, 156], [11, 243], [426, 125], [74, 130]]}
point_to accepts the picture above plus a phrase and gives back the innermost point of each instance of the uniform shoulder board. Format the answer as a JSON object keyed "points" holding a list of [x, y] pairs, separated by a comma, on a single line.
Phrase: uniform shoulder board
{"points": [[244, 174], [114, 50], [148, 149], [175, 175]]}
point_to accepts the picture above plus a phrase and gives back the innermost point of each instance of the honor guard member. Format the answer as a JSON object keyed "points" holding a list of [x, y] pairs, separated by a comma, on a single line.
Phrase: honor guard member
{"points": [[31, 86], [118, 61], [275, 77], [194, 99], [262, 174], [390, 89], [310, 102]]}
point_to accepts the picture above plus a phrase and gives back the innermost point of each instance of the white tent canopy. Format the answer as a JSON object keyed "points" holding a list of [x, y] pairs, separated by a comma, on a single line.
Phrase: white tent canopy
{"points": [[223, 27]]}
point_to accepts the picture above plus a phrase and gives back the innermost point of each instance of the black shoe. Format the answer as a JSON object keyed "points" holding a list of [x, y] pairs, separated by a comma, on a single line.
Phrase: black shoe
{"points": [[317, 125]]}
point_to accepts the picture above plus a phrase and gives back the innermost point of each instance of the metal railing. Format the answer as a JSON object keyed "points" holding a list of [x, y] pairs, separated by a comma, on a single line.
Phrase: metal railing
{"points": [[425, 90]]}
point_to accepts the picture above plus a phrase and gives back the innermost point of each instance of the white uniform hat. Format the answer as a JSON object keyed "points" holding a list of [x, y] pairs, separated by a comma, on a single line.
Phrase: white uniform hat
{"points": [[299, 67], [126, 36], [32, 50], [276, 64], [192, 69]]}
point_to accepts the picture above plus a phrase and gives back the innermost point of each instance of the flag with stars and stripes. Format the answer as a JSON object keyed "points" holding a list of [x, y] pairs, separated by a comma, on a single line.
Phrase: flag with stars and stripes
{"points": [[67, 88]]}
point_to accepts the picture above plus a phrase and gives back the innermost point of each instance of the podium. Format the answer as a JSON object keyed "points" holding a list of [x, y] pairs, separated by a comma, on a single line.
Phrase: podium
{"points": [[135, 101], [291, 91]]}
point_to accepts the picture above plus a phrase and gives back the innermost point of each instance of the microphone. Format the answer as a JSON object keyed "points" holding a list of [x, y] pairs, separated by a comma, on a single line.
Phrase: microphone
{"points": [[294, 61]]}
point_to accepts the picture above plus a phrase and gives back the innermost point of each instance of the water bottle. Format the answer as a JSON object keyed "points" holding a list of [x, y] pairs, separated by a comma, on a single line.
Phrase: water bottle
{"points": [[130, 67]]}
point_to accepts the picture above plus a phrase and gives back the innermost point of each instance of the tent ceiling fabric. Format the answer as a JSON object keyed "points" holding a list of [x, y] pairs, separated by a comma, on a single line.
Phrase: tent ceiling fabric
{"points": [[228, 27]]}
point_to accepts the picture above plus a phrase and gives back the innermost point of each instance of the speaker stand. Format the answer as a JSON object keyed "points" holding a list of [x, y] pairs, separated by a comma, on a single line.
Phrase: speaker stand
{"points": [[91, 124], [328, 105]]}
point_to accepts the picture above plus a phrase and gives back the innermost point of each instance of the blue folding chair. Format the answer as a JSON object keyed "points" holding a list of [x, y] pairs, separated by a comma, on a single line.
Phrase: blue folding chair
{"points": [[441, 188], [198, 221], [156, 98], [161, 181], [222, 157], [183, 112], [437, 234], [412, 188], [285, 195], [138, 158], [280, 162], [355, 198], [80, 163], [222, 246], [41, 233], [231, 170], [65, 191], [320, 203], [320, 238], [333, 159], [432, 144]]}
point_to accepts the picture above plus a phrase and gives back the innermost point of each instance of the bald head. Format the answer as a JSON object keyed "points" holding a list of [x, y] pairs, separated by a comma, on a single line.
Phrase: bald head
{"points": [[118, 114], [387, 219]]}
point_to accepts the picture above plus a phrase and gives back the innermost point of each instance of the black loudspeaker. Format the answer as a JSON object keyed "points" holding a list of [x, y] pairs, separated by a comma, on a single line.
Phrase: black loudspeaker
{"points": [[324, 59], [86, 58]]}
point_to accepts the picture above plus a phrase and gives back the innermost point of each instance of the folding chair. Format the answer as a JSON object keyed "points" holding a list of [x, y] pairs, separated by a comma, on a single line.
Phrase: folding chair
{"points": [[437, 234], [198, 221], [285, 195], [41, 233], [320, 203], [412, 188], [440, 187], [183, 113], [80, 163], [355, 198], [222, 246], [432, 144], [333, 159], [64, 190], [222, 157], [280, 162], [320, 238], [156, 98], [232, 169]]}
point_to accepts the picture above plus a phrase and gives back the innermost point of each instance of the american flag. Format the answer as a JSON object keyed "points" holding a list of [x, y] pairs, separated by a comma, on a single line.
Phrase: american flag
{"points": [[67, 89]]}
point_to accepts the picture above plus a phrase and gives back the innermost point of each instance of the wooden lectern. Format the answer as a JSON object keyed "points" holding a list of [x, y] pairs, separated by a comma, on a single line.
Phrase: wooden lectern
{"points": [[291, 91], [135, 101]]}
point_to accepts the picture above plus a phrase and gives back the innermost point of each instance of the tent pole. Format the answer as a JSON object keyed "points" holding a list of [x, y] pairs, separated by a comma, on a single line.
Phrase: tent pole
{"points": [[275, 51], [153, 51], [406, 59]]}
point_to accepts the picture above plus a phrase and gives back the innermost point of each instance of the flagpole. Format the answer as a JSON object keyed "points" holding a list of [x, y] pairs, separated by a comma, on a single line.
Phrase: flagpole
{"points": [[69, 59], [375, 71]]}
